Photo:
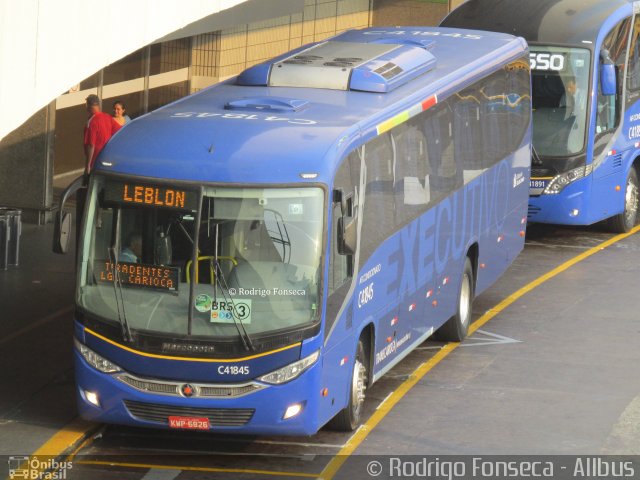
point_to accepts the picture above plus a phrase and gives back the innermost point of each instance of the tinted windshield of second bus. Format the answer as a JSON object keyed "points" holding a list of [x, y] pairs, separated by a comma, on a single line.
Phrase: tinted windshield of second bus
{"points": [[560, 84], [259, 256]]}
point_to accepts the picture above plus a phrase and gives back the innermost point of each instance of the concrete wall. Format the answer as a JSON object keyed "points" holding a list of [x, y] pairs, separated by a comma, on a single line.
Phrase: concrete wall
{"points": [[234, 49], [409, 12]]}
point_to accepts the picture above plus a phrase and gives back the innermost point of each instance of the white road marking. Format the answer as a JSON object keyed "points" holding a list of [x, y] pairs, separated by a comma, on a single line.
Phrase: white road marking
{"points": [[488, 339], [161, 474], [494, 339], [624, 438]]}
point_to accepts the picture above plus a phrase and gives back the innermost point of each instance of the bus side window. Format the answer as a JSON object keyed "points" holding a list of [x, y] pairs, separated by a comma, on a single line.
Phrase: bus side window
{"points": [[608, 107], [633, 72], [341, 266], [411, 184], [494, 118], [519, 106], [438, 128], [379, 214]]}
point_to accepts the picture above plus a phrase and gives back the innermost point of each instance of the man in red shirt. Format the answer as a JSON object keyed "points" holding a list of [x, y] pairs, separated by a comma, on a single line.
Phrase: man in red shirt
{"points": [[97, 132]]}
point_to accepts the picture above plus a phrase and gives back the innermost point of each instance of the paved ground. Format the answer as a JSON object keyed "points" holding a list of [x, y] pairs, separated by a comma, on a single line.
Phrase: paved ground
{"points": [[556, 372]]}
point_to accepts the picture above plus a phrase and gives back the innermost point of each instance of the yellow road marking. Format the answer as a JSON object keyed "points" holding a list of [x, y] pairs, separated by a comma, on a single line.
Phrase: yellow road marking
{"points": [[361, 434], [67, 437], [547, 276], [60, 442], [196, 469]]}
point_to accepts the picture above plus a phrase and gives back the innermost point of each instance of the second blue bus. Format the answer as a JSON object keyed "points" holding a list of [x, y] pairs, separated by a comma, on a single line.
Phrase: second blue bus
{"points": [[585, 64]]}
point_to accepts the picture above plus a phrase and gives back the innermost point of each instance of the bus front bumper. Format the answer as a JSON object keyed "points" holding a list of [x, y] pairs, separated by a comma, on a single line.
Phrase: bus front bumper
{"points": [[104, 398], [569, 207]]}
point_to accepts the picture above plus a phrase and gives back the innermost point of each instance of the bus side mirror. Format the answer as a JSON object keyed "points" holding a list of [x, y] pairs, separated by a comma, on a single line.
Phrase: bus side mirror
{"points": [[340, 197], [607, 74], [347, 235], [62, 231], [608, 79], [63, 220]]}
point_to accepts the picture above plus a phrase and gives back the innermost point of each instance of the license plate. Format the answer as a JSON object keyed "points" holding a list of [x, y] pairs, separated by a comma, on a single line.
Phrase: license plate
{"points": [[189, 423], [533, 183], [537, 186]]}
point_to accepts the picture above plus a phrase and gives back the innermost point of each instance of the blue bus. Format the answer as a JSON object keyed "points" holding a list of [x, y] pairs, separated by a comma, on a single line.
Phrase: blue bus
{"points": [[255, 256], [585, 68]]}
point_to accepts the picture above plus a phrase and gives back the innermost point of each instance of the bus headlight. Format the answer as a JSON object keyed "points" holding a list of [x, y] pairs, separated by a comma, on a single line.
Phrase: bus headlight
{"points": [[291, 371], [559, 182], [95, 360]]}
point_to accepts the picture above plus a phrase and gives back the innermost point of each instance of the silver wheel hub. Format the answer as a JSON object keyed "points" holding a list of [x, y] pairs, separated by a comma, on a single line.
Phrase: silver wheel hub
{"points": [[631, 202], [465, 300], [358, 385]]}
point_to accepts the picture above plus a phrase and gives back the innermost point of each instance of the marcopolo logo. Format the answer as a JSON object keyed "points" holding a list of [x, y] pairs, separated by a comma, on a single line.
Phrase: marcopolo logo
{"points": [[37, 468]]}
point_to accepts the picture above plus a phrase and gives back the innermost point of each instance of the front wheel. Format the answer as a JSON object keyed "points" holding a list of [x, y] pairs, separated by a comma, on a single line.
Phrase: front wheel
{"points": [[349, 418], [625, 221], [455, 329]]}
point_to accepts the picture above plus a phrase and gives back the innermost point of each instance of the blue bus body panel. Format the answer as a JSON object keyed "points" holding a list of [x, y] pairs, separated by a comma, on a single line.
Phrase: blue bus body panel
{"points": [[193, 370], [558, 22], [414, 274]]}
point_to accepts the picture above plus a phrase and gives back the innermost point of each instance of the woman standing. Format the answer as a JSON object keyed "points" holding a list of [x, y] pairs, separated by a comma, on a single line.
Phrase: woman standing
{"points": [[120, 113]]}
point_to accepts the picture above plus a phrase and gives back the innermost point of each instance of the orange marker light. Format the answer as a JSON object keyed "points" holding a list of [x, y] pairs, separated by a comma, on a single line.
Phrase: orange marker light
{"points": [[325, 392], [434, 303], [522, 233], [617, 188]]}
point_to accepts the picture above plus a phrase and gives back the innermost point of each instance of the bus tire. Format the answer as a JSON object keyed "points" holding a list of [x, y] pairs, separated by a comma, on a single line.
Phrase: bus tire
{"points": [[455, 329], [349, 418], [625, 221]]}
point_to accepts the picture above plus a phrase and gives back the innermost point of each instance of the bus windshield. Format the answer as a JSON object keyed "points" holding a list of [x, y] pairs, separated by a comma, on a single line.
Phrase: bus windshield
{"points": [[259, 257], [560, 83]]}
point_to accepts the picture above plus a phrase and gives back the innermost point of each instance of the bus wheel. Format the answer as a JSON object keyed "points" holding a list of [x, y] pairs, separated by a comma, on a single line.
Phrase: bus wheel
{"points": [[349, 418], [626, 220], [455, 329]]}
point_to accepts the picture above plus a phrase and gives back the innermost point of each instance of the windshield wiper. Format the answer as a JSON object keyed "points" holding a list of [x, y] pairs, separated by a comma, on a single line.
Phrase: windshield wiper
{"points": [[244, 335], [535, 158], [117, 283]]}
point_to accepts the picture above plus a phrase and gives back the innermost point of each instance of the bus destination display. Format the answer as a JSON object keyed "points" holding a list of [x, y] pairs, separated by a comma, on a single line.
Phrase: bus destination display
{"points": [[151, 195], [140, 275]]}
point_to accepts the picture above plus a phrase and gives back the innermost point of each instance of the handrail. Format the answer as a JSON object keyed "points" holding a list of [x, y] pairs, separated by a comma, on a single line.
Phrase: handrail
{"points": [[212, 273]]}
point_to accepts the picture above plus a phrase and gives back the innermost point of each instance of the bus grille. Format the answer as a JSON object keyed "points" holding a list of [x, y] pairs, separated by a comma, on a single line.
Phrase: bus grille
{"points": [[218, 417], [201, 390], [533, 211], [542, 172]]}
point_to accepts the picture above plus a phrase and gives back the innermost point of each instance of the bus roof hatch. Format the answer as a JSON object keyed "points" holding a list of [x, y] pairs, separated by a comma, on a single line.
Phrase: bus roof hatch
{"points": [[369, 67]]}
